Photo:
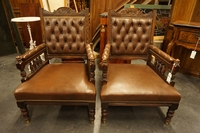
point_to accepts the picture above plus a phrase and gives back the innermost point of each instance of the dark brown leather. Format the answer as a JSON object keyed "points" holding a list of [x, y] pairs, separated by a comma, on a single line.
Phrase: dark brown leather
{"points": [[58, 82], [130, 35], [136, 82], [64, 34]]}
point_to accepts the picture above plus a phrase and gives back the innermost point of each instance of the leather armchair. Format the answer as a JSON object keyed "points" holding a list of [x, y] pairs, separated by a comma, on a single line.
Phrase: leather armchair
{"points": [[130, 37], [68, 82]]}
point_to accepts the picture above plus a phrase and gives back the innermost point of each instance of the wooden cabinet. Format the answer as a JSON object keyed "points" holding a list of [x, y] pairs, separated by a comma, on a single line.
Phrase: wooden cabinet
{"points": [[182, 10], [184, 41]]}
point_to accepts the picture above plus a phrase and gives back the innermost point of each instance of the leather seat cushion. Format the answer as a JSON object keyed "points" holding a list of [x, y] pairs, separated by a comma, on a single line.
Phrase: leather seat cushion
{"points": [[62, 81], [136, 82]]}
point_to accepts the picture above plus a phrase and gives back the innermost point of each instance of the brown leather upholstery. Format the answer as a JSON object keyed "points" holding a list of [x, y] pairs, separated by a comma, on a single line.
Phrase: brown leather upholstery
{"points": [[136, 83], [69, 82], [130, 35]]}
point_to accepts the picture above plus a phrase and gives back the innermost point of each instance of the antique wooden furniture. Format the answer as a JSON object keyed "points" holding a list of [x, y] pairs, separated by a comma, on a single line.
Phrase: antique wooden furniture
{"points": [[130, 37], [183, 43], [69, 82], [189, 14]]}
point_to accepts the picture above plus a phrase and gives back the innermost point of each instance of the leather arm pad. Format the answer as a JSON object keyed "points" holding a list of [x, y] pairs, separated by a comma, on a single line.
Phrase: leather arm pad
{"points": [[34, 52], [89, 52], [106, 52], [163, 55]]}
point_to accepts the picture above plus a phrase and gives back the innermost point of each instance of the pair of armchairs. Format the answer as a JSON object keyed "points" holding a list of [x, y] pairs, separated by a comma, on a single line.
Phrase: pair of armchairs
{"points": [[71, 81]]}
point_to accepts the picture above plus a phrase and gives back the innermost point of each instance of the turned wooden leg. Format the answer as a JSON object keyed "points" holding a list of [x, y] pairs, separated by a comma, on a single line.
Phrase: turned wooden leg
{"points": [[24, 111], [170, 113], [91, 108], [104, 112]]}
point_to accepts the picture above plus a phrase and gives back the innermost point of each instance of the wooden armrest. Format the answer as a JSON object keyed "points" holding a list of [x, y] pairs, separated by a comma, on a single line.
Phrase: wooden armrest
{"points": [[90, 63], [162, 63], [32, 59], [34, 52]]}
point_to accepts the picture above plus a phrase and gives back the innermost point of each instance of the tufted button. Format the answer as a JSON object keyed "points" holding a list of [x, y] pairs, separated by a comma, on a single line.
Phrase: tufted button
{"points": [[142, 48], [148, 24], [144, 31], [61, 31], [118, 32], [80, 23], [132, 24], [123, 23], [56, 23], [72, 23], [117, 47], [139, 24], [125, 47], [64, 23], [47, 23], [115, 23], [57, 39], [52, 31]]}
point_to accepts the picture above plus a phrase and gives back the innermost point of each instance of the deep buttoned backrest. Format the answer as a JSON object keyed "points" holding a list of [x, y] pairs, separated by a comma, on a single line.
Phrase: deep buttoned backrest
{"points": [[130, 32], [66, 32]]}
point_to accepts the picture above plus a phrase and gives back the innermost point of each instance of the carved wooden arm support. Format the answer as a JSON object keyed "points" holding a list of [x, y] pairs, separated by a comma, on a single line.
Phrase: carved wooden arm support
{"points": [[32, 60], [162, 63], [90, 63], [104, 63]]}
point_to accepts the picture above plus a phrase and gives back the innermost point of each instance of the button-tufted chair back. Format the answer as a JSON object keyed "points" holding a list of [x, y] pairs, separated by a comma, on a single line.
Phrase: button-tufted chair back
{"points": [[65, 32], [130, 32]]}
